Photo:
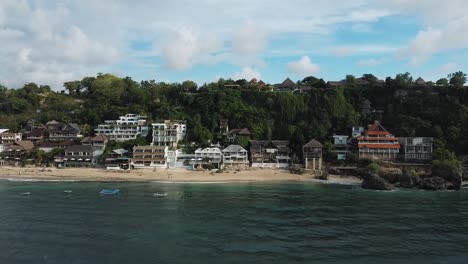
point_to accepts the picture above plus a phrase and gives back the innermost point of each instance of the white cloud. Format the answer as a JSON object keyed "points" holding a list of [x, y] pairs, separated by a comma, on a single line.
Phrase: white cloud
{"points": [[434, 40], [371, 62], [247, 73], [304, 67], [48, 41], [249, 39]]}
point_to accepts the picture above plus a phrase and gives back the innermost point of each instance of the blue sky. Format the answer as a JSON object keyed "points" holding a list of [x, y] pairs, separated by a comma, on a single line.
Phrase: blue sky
{"points": [[49, 42]]}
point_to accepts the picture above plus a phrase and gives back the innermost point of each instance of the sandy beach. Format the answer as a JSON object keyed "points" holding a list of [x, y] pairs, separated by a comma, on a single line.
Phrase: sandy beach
{"points": [[171, 175]]}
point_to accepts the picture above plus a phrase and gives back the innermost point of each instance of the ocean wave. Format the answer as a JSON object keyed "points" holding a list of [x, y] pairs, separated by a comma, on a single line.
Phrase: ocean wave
{"points": [[333, 182], [199, 182], [37, 180]]}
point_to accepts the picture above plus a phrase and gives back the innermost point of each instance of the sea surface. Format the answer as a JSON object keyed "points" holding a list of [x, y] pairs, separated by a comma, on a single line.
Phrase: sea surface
{"points": [[229, 223]]}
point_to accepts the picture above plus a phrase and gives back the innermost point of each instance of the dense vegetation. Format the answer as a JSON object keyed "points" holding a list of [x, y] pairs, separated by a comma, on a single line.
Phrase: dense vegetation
{"points": [[437, 110]]}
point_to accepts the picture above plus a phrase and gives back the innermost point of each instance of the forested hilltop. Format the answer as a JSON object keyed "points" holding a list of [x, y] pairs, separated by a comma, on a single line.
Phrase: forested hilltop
{"points": [[314, 109]]}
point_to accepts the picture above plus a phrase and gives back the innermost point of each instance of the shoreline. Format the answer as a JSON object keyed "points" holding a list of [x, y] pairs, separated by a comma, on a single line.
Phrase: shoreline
{"points": [[33, 174]]}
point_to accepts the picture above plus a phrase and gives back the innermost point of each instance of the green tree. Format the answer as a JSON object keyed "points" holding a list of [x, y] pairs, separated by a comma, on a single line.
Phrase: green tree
{"points": [[404, 79], [457, 79], [442, 82]]}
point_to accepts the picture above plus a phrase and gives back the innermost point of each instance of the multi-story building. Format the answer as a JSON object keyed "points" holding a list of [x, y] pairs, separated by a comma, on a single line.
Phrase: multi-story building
{"points": [[169, 133], [341, 146], [9, 138], [272, 154], [78, 156], [149, 157], [235, 156], [128, 127], [70, 131], [378, 143], [207, 156], [416, 148]]}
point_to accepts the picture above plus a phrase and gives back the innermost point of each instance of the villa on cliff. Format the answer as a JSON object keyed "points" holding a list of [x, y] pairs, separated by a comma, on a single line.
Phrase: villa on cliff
{"points": [[377, 143]]}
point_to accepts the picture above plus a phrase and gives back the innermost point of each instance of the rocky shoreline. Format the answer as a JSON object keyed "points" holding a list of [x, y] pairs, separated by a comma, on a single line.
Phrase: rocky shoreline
{"points": [[437, 179]]}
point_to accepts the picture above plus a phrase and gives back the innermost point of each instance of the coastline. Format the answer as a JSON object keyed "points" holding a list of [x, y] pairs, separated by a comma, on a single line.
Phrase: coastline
{"points": [[162, 175]]}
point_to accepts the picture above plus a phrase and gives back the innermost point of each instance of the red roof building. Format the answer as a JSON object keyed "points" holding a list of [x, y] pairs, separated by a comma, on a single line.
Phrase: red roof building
{"points": [[378, 143]]}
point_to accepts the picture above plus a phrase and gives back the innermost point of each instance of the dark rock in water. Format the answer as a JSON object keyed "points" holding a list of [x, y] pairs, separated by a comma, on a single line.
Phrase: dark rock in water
{"points": [[323, 175], [408, 179], [452, 176], [375, 182], [433, 183], [391, 177]]}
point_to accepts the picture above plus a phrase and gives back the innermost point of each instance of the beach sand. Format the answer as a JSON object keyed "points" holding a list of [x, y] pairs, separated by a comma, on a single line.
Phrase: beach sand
{"points": [[166, 175]]}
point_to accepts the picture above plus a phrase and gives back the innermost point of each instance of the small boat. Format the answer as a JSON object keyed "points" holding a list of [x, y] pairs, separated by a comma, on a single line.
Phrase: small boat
{"points": [[67, 191], [25, 193], [159, 194], [109, 191]]}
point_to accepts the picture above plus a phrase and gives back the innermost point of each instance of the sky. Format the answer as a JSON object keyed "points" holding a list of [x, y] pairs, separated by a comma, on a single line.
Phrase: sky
{"points": [[53, 41]]}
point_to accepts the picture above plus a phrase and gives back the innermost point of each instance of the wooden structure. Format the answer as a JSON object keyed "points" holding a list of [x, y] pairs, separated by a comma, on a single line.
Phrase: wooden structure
{"points": [[312, 152]]}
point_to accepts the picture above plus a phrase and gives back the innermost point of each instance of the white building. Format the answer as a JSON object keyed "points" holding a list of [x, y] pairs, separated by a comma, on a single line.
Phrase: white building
{"points": [[9, 138], [169, 133], [128, 127], [207, 156], [235, 156]]}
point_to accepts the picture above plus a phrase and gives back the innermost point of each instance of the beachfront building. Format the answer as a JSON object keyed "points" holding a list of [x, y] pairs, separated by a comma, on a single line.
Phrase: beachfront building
{"points": [[235, 156], [312, 153], [127, 127], [169, 133], [378, 143], [234, 134], [17, 150], [418, 149], [150, 157], [8, 137], [207, 156], [341, 146], [117, 159], [61, 132], [269, 154], [77, 156]]}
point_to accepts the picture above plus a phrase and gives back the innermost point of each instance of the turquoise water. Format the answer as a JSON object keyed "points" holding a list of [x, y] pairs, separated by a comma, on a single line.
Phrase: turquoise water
{"points": [[229, 223]]}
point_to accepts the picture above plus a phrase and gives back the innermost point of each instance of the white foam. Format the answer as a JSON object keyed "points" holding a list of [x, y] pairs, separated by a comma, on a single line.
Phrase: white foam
{"points": [[199, 182], [333, 182]]}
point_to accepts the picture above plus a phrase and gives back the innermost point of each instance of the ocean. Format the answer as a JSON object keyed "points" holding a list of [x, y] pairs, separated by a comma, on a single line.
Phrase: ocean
{"points": [[229, 223]]}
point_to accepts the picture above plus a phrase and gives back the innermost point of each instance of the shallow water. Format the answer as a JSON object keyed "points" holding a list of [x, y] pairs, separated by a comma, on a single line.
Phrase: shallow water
{"points": [[229, 223]]}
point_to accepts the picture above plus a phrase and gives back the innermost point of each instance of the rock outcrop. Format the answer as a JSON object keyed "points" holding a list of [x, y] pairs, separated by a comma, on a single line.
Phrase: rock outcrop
{"points": [[433, 184], [453, 177], [375, 182]]}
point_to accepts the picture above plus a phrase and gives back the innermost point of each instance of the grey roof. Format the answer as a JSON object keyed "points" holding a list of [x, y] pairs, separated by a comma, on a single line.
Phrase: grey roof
{"points": [[313, 144], [79, 148], [120, 151], [234, 148]]}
